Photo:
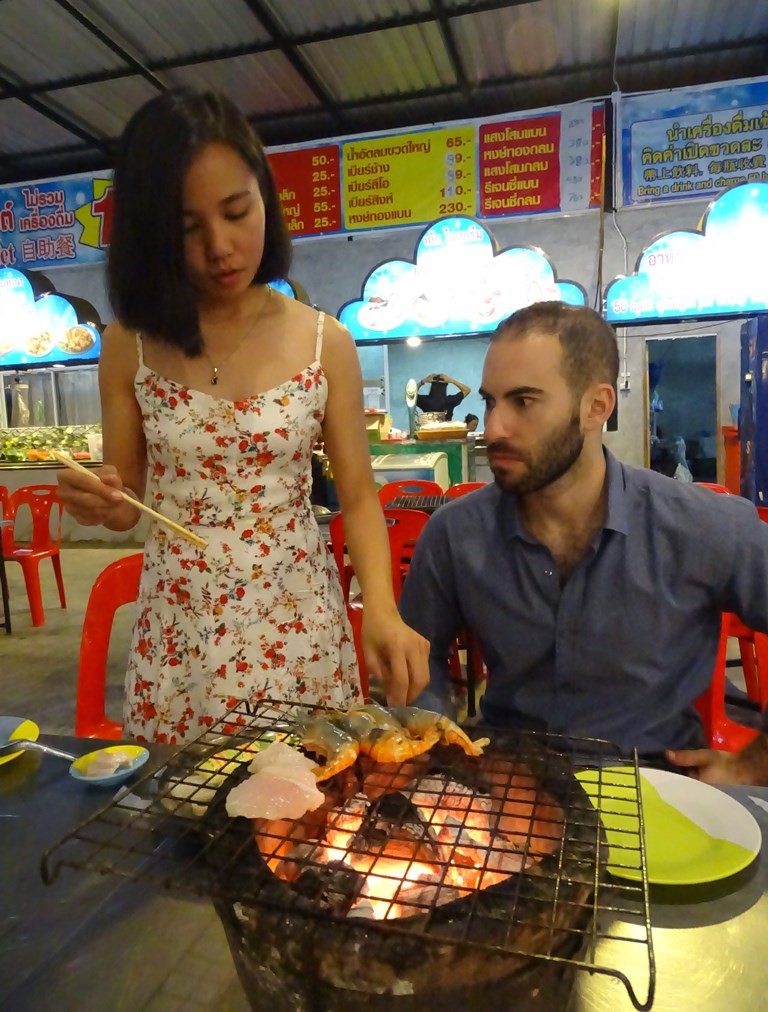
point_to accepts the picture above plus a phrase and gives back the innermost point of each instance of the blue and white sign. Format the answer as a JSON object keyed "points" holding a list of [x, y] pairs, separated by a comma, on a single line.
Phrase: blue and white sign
{"points": [[717, 270], [691, 142], [45, 331], [458, 284]]}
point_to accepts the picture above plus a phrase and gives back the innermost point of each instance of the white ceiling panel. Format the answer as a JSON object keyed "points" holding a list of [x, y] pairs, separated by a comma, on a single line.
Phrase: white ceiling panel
{"points": [[24, 129], [106, 107], [323, 15]]}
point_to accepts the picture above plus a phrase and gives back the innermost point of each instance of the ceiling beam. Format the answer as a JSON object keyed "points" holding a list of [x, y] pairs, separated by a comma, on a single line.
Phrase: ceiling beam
{"points": [[449, 41], [288, 47]]}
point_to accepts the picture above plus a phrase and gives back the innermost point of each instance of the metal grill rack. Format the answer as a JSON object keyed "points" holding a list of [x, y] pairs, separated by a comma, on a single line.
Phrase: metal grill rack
{"points": [[561, 796], [427, 503]]}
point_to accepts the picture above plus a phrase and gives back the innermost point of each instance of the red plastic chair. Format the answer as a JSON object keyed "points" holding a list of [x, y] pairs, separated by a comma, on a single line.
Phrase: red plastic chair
{"points": [[722, 732], [463, 488], [408, 486], [403, 527], [42, 500], [4, 497], [115, 586], [714, 486]]}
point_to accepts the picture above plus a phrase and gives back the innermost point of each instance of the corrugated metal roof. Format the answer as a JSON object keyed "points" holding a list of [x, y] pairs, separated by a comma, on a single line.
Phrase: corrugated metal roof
{"points": [[394, 61], [23, 129], [264, 83], [105, 107], [40, 42], [315, 68], [165, 29], [323, 15]]}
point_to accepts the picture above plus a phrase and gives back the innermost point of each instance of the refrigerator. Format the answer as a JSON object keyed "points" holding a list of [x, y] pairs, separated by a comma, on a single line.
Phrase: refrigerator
{"points": [[753, 410]]}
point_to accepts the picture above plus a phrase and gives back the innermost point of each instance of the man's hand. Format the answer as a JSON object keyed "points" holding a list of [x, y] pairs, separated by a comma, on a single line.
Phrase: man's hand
{"points": [[713, 767]]}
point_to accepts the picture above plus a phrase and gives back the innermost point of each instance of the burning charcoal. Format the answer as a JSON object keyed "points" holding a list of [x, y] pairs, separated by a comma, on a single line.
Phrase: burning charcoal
{"points": [[439, 798], [333, 886]]}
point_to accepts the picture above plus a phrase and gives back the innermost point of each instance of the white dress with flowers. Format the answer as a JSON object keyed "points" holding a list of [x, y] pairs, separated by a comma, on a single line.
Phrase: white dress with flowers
{"points": [[259, 612]]}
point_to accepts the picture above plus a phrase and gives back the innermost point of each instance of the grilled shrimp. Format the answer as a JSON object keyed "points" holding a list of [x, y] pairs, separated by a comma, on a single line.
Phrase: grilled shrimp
{"points": [[380, 735], [426, 724], [339, 748]]}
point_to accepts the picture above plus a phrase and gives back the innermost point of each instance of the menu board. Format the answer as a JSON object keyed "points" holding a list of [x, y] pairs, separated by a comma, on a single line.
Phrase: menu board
{"points": [[692, 142], [548, 162], [309, 184], [408, 179]]}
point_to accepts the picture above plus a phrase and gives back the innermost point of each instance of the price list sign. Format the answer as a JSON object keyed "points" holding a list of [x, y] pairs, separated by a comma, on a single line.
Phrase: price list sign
{"points": [[308, 182], [520, 165], [409, 178]]}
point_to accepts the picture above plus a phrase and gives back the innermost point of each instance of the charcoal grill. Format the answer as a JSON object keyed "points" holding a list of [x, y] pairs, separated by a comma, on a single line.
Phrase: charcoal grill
{"points": [[301, 926]]}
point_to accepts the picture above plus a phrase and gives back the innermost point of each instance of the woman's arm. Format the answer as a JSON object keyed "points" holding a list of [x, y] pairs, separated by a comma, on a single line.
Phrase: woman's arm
{"points": [[124, 445], [393, 651]]}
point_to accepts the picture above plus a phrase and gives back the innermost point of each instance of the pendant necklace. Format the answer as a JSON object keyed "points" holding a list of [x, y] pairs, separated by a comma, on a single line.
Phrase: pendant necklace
{"points": [[215, 368]]}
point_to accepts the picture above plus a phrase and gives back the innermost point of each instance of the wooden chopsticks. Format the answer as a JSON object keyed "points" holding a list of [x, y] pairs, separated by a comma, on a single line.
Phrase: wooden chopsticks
{"points": [[182, 531]]}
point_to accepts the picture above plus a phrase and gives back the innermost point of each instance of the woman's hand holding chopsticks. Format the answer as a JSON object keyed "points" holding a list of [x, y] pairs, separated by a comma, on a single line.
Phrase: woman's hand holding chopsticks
{"points": [[96, 502]]}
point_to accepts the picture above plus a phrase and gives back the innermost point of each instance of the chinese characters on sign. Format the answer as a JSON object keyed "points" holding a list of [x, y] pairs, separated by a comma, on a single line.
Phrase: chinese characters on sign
{"points": [[55, 222]]}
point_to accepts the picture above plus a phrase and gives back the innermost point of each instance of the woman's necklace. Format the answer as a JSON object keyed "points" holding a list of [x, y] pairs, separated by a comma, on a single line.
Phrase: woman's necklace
{"points": [[215, 368]]}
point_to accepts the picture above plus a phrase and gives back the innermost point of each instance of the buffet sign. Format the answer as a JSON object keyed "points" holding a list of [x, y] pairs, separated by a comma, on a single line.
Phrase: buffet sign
{"points": [[691, 142]]}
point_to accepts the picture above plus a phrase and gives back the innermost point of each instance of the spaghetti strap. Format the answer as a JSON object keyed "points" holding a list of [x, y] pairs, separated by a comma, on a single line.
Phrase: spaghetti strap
{"points": [[319, 342], [140, 349]]}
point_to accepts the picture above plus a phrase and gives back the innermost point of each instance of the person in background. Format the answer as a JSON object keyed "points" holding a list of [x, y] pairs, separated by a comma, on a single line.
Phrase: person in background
{"points": [[471, 422], [437, 398], [595, 589], [214, 390]]}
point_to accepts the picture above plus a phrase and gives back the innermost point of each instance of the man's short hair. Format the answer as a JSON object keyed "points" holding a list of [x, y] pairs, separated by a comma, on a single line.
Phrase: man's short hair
{"points": [[590, 350]]}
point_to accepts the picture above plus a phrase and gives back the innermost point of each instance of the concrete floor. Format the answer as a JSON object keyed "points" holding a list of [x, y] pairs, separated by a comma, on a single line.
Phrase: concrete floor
{"points": [[38, 666]]}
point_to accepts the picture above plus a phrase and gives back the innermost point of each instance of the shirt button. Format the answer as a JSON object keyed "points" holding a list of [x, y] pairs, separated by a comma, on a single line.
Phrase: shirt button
{"points": [[548, 572]]}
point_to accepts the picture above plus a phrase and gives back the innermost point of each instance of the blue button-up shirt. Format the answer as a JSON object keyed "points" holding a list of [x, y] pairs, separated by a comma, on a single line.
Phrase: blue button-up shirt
{"points": [[624, 646]]}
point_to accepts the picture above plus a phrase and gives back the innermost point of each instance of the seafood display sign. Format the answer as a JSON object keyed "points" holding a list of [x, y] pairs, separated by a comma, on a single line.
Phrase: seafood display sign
{"points": [[44, 331], [55, 222], [691, 142], [458, 283], [716, 269]]}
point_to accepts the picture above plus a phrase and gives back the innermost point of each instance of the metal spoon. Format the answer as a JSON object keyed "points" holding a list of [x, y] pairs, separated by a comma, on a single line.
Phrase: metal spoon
{"points": [[21, 744]]}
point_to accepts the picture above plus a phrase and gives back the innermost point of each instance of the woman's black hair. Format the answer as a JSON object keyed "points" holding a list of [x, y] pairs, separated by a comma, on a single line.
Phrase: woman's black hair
{"points": [[149, 286]]}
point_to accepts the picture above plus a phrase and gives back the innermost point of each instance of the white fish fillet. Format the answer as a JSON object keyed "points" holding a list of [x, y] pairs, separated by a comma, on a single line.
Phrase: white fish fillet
{"points": [[282, 786]]}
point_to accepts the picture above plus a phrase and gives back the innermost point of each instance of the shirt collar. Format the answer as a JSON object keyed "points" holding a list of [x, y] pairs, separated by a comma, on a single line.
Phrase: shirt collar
{"points": [[617, 511]]}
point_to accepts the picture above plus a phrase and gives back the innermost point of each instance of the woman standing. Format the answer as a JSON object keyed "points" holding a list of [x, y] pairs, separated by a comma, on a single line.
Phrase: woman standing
{"points": [[214, 390]]}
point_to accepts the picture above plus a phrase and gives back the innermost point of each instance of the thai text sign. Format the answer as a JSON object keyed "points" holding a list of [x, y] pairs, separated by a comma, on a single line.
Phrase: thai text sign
{"points": [[692, 142]]}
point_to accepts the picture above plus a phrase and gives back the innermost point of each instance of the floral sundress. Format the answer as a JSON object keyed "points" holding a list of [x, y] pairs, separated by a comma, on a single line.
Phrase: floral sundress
{"points": [[259, 613]]}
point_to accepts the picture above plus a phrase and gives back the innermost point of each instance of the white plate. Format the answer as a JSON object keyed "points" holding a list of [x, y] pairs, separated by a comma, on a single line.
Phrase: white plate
{"points": [[694, 832]]}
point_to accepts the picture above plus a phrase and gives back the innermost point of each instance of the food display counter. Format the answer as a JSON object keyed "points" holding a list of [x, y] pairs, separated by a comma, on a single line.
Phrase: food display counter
{"points": [[458, 452]]}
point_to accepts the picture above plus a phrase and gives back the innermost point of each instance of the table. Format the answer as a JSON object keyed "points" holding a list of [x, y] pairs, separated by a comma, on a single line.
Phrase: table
{"points": [[105, 945]]}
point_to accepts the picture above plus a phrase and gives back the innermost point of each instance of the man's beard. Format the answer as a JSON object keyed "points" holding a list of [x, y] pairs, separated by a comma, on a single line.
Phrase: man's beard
{"points": [[550, 461]]}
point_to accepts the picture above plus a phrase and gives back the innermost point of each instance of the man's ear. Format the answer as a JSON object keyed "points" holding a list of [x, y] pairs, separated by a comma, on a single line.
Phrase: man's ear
{"points": [[597, 405]]}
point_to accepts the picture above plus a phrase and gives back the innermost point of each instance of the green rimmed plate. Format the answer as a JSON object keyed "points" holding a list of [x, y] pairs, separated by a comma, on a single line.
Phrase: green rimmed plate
{"points": [[694, 833]]}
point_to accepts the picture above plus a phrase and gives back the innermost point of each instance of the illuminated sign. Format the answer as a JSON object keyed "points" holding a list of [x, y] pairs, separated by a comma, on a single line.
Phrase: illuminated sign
{"points": [[44, 331], [458, 284], [716, 270]]}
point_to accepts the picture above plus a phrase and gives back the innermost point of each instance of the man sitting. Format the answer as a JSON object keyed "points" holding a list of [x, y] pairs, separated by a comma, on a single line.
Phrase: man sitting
{"points": [[595, 589]]}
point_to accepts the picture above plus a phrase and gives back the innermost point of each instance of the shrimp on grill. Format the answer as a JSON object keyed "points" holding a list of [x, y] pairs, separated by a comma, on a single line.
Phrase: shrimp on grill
{"points": [[381, 735], [435, 727], [339, 748]]}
